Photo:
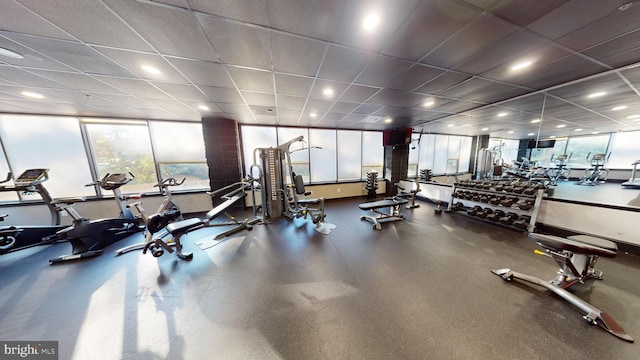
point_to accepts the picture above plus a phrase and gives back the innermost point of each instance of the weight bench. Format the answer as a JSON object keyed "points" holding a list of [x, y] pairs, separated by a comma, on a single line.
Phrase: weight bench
{"points": [[409, 194], [383, 217], [180, 228], [576, 255]]}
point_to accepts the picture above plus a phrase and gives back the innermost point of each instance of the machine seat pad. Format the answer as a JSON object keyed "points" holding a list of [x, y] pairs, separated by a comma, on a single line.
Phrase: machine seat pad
{"points": [[308, 201], [595, 241], [382, 203], [578, 247], [68, 200], [184, 225]]}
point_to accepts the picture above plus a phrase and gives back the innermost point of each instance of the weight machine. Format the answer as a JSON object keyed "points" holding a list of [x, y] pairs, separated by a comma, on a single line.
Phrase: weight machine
{"points": [[279, 197], [634, 182], [490, 163]]}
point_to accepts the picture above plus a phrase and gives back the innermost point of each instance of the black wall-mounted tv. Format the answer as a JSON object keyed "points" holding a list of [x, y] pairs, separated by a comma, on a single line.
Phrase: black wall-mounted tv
{"points": [[396, 137], [541, 144]]}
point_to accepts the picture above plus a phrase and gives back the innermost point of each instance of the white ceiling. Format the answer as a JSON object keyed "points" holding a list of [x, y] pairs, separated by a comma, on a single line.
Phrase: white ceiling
{"points": [[268, 62]]}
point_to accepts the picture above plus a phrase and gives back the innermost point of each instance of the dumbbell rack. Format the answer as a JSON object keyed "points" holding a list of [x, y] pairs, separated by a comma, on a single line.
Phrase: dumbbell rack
{"points": [[372, 184], [490, 202]]}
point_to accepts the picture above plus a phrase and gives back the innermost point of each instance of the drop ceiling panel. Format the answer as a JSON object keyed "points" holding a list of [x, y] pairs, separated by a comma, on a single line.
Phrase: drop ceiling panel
{"points": [[443, 82], [430, 24], [308, 54], [620, 45], [259, 99], [77, 81], [222, 95], [343, 64], [27, 79], [315, 19], [182, 91], [203, 72], [317, 91], [134, 87], [102, 27], [20, 19], [358, 93], [466, 42], [381, 70], [169, 31], [31, 58], [251, 11], [414, 77], [252, 80], [292, 85], [475, 89], [291, 102], [523, 13], [134, 61], [236, 43]]}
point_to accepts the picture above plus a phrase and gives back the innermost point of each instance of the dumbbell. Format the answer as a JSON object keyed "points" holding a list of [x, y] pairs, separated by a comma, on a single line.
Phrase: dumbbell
{"points": [[474, 210], [496, 215], [525, 204], [484, 213], [508, 201], [522, 222], [530, 190], [484, 198], [456, 206], [508, 218], [494, 200]]}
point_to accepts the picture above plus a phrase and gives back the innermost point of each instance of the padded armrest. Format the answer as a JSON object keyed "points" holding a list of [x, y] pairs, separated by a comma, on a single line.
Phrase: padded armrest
{"points": [[561, 244]]}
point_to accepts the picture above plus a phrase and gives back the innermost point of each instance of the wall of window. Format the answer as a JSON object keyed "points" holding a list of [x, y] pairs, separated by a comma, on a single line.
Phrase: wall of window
{"points": [[624, 150], [77, 151], [442, 154]]}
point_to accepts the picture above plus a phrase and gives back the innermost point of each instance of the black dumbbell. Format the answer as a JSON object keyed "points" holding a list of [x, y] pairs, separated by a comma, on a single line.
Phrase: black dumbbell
{"points": [[496, 215], [525, 204], [522, 222], [508, 218]]}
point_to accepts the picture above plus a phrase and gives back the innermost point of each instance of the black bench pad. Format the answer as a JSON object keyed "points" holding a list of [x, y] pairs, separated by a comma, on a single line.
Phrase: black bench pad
{"points": [[382, 203], [184, 225], [561, 244]]}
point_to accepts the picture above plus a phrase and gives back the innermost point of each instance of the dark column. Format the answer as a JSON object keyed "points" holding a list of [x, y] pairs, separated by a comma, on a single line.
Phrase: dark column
{"points": [[396, 163], [223, 153]]}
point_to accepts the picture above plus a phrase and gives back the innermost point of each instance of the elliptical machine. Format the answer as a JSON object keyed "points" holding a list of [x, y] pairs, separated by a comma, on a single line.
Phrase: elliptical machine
{"points": [[560, 172], [13, 238], [167, 212], [596, 174], [87, 237]]}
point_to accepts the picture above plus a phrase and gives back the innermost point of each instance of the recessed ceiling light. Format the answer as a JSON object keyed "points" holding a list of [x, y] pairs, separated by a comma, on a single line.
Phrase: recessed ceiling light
{"points": [[621, 107], [503, 114], [428, 103], [450, 125], [11, 54], [531, 134], [595, 132], [151, 70], [328, 92], [510, 132], [633, 116], [522, 65], [32, 95], [313, 114], [596, 94], [535, 121], [552, 136], [561, 126], [371, 22], [485, 129], [577, 130], [388, 120], [203, 107]]}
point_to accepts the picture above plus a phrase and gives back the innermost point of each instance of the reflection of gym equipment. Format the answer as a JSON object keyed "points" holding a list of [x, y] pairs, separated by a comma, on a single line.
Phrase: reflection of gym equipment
{"points": [[560, 172], [393, 215], [490, 163], [89, 237], [167, 212], [409, 194], [576, 256], [279, 198], [634, 182], [14, 238], [177, 229], [596, 174]]}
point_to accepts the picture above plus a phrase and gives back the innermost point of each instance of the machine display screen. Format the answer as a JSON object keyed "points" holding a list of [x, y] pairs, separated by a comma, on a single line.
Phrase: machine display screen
{"points": [[30, 176]]}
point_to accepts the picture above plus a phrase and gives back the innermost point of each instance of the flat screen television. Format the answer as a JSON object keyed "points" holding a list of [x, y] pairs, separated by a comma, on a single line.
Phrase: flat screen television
{"points": [[541, 144], [396, 137]]}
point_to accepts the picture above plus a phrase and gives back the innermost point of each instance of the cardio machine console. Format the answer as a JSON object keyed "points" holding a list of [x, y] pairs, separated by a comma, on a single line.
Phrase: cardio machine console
{"points": [[31, 177]]}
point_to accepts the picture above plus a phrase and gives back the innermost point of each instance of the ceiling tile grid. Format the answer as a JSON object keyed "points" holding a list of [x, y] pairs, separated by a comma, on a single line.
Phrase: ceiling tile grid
{"points": [[428, 64]]}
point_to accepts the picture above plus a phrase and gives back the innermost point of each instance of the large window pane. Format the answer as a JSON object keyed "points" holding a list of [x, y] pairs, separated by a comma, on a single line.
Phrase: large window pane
{"points": [[583, 147], [349, 155], [54, 143], [414, 158], [427, 152], [299, 151], [4, 171], [624, 150], [323, 166], [254, 137], [465, 154], [440, 158], [124, 148], [372, 152], [178, 148]]}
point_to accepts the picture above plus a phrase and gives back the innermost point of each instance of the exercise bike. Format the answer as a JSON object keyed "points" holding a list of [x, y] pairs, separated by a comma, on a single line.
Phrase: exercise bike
{"points": [[13, 238], [560, 172], [596, 174], [89, 237], [167, 212]]}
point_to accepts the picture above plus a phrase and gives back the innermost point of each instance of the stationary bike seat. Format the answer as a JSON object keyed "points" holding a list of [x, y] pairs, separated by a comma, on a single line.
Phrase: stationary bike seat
{"points": [[563, 244]]}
